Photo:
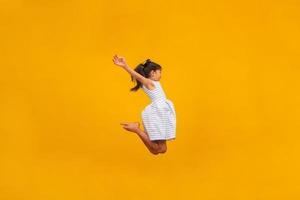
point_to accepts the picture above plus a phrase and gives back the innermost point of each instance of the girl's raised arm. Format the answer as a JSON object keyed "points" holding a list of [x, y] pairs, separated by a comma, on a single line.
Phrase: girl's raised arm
{"points": [[120, 61]]}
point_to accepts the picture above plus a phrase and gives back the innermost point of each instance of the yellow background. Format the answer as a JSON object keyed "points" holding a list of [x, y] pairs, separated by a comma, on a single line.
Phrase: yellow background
{"points": [[230, 67]]}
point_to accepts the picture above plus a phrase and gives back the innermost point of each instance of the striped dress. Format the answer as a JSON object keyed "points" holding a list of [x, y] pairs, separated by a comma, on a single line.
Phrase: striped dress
{"points": [[159, 117]]}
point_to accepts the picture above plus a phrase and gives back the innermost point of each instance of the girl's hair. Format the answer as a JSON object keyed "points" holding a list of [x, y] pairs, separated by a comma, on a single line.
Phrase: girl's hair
{"points": [[144, 70]]}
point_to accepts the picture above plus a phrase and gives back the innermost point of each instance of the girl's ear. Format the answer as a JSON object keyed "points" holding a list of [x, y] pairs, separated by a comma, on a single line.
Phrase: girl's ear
{"points": [[151, 72]]}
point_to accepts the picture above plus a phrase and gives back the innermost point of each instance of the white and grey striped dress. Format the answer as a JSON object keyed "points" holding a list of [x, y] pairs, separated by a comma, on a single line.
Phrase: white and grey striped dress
{"points": [[159, 117]]}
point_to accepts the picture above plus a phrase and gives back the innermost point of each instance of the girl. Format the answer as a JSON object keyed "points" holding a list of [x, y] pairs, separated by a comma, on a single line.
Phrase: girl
{"points": [[159, 117]]}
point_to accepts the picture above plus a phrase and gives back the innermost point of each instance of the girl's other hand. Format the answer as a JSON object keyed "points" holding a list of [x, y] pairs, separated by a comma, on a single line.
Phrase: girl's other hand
{"points": [[120, 61]]}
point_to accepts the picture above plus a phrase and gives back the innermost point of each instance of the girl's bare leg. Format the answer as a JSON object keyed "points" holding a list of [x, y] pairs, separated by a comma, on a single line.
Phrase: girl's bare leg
{"points": [[155, 147]]}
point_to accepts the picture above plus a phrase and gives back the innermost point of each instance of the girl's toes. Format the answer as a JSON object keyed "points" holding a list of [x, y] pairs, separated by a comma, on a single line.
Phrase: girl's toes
{"points": [[131, 126]]}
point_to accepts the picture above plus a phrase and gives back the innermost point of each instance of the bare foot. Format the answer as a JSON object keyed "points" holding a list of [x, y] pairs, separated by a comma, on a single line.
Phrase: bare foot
{"points": [[131, 126]]}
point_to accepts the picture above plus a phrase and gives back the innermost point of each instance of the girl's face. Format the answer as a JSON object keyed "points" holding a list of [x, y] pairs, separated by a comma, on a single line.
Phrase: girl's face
{"points": [[155, 75]]}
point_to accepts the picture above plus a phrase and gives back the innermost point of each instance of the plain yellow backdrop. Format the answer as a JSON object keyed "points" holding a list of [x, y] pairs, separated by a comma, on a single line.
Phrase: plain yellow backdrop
{"points": [[231, 69]]}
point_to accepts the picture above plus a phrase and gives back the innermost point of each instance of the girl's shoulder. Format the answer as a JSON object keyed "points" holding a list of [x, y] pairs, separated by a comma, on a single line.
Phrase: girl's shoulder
{"points": [[155, 83]]}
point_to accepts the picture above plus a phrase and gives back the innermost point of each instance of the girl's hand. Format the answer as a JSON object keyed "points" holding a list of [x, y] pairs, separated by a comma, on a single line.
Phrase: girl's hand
{"points": [[120, 61]]}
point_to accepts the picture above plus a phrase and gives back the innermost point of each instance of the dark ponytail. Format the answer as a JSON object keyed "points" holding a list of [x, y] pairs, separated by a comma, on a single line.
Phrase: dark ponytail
{"points": [[144, 70]]}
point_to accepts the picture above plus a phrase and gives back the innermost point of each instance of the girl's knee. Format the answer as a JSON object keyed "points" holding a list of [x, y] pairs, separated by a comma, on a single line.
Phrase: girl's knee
{"points": [[161, 146], [163, 149], [154, 152]]}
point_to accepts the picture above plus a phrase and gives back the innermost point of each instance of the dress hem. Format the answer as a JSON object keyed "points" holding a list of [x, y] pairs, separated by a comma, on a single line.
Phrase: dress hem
{"points": [[163, 139]]}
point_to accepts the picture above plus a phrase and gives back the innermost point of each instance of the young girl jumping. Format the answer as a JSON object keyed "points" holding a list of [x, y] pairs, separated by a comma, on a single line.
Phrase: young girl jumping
{"points": [[159, 117]]}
